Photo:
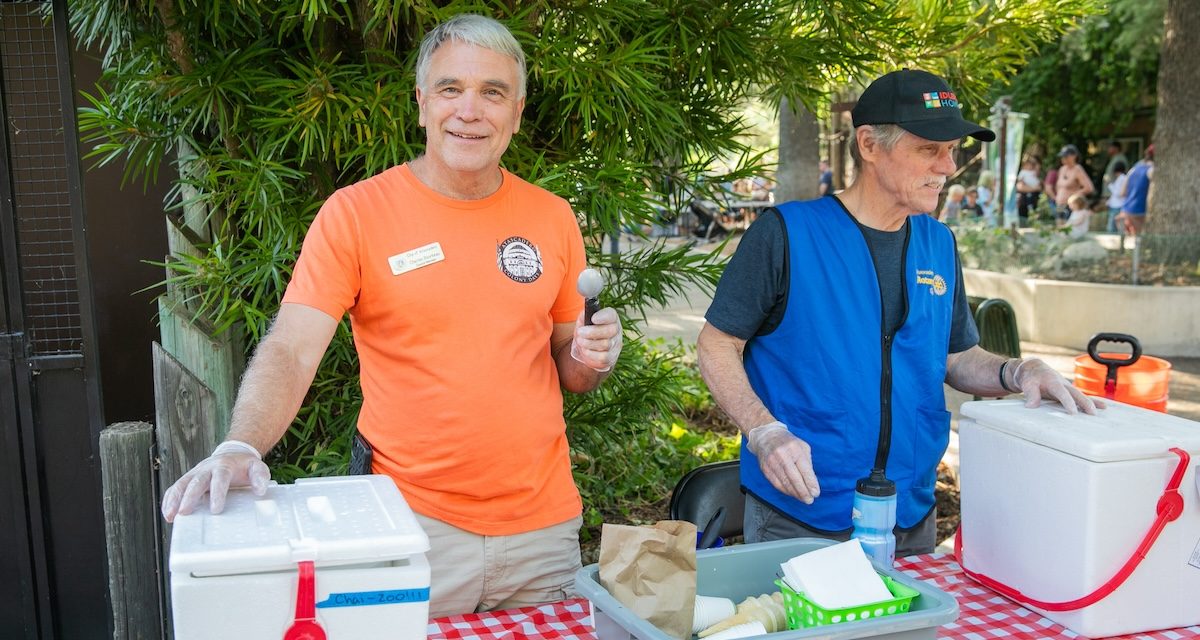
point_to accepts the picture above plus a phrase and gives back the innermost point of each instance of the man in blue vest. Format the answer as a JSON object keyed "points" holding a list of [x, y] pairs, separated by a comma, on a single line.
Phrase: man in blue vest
{"points": [[839, 318]]}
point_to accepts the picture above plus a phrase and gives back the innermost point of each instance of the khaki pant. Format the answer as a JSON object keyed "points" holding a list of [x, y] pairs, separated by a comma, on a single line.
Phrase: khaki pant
{"points": [[474, 573]]}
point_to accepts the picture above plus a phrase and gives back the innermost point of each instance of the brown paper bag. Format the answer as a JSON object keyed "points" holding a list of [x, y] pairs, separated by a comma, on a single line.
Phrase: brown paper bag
{"points": [[652, 571]]}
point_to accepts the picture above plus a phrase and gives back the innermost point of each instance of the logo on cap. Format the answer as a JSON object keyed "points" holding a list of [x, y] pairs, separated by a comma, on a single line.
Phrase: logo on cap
{"points": [[939, 99]]}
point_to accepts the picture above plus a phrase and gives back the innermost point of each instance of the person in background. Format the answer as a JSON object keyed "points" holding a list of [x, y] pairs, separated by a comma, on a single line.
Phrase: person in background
{"points": [[841, 318], [1029, 188], [954, 201], [760, 188], [826, 179], [1137, 194], [1071, 179], [971, 209], [986, 191], [1115, 156], [460, 282], [1116, 196], [1081, 215], [1048, 188]]}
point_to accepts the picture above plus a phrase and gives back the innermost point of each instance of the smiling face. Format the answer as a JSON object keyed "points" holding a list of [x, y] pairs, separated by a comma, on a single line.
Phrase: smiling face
{"points": [[912, 173], [470, 110]]}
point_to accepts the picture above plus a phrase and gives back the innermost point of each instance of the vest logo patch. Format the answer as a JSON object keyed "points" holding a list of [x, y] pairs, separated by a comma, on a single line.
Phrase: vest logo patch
{"points": [[936, 283], [519, 259]]}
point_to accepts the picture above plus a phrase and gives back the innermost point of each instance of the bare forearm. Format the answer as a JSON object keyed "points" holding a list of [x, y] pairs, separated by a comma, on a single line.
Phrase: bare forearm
{"points": [[279, 375], [574, 376], [977, 372], [270, 395], [720, 359]]}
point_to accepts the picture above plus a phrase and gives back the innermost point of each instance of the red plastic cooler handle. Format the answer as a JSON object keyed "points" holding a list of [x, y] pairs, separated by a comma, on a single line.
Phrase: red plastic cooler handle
{"points": [[306, 627], [1170, 506]]}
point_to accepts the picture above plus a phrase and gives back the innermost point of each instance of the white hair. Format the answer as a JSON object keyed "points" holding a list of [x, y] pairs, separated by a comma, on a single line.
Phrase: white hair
{"points": [[887, 136], [476, 30]]}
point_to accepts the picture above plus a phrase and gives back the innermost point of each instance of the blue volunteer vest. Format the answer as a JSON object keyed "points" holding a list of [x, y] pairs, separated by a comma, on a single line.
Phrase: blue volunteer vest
{"points": [[822, 371]]}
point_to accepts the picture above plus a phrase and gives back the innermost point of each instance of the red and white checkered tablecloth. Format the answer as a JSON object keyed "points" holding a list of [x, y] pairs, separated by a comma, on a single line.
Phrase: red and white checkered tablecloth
{"points": [[983, 615], [569, 620]]}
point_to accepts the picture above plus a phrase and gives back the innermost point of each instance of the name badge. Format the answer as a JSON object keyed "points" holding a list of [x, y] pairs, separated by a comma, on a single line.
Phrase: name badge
{"points": [[417, 258]]}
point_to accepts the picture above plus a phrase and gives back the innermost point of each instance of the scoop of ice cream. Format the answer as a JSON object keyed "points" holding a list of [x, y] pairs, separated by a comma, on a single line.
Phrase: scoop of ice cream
{"points": [[590, 283]]}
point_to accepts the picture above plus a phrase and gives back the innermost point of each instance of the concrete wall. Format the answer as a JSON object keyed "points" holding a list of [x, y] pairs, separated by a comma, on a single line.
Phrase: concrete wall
{"points": [[1165, 319]]}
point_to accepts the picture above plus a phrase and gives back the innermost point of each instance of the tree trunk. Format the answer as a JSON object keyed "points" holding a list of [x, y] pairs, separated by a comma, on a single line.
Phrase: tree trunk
{"points": [[799, 153], [1172, 231]]}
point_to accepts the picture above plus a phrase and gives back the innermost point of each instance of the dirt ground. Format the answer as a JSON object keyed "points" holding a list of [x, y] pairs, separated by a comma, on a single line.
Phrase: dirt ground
{"points": [[1118, 269]]}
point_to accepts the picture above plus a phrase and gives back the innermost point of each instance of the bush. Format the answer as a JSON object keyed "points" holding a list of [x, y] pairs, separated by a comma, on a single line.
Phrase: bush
{"points": [[626, 461]]}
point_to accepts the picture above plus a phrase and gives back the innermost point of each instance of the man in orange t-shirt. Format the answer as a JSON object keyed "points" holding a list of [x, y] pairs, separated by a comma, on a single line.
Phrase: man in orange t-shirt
{"points": [[459, 279]]}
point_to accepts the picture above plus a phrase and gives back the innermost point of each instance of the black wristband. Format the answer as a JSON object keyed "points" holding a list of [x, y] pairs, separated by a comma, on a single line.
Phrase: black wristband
{"points": [[1003, 384]]}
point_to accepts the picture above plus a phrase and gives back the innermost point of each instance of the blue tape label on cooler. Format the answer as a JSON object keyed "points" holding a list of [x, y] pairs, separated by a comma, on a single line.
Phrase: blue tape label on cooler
{"points": [[370, 598]]}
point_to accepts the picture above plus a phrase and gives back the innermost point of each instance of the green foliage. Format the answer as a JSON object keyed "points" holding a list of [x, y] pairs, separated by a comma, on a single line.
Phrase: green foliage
{"points": [[973, 44], [621, 456], [1005, 251], [266, 108], [1095, 79]]}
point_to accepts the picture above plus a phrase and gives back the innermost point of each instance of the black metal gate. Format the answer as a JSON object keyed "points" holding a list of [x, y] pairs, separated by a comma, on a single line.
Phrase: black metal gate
{"points": [[52, 560]]}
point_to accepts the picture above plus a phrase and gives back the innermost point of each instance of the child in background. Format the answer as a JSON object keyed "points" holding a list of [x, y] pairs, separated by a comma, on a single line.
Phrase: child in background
{"points": [[971, 208], [1029, 187], [987, 196], [1116, 198], [954, 197], [1080, 216]]}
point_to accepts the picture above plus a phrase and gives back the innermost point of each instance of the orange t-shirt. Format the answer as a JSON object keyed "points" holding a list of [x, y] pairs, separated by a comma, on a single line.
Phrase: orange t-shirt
{"points": [[452, 303]]}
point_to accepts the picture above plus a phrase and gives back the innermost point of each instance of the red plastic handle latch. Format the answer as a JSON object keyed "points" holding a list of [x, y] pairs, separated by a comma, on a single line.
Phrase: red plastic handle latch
{"points": [[1170, 506], [306, 627]]}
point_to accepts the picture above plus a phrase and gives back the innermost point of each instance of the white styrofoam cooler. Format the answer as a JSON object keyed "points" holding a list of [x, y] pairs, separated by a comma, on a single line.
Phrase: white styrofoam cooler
{"points": [[234, 575], [1054, 504]]}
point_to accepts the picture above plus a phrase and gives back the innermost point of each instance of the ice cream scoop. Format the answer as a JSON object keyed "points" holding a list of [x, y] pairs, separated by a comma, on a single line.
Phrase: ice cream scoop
{"points": [[589, 285]]}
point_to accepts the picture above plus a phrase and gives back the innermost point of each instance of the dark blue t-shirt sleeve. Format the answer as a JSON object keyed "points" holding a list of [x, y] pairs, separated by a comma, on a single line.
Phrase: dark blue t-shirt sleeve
{"points": [[963, 332], [752, 286]]}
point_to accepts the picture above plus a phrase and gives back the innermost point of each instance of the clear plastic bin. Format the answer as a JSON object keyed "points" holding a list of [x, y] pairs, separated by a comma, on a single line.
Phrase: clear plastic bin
{"points": [[740, 571]]}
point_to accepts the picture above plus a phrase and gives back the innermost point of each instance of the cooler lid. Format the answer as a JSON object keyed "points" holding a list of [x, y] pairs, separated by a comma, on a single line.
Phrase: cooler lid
{"points": [[341, 520], [1120, 432]]}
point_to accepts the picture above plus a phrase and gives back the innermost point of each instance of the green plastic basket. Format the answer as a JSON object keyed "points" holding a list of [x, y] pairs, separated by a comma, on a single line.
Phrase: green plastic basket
{"points": [[803, 613]]}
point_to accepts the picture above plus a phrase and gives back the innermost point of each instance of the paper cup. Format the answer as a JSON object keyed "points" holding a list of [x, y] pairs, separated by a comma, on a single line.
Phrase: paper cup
{"points": [[709, 611], [755, 628]]}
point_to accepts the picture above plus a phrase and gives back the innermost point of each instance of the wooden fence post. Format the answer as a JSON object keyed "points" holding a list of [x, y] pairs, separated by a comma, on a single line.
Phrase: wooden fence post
{"points": [[187, 424], [130, 525]]}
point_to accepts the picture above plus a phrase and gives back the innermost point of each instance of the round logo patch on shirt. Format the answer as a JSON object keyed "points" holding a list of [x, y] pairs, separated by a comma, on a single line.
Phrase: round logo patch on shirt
{"points": [[935, 282], [519, 259]]}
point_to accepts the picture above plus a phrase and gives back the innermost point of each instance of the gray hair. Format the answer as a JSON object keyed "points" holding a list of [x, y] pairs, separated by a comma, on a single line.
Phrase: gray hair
{"points": [[476, 30], [884, 135]]}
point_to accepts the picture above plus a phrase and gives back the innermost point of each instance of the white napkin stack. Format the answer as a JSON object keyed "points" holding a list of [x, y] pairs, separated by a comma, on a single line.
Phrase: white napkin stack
{"points": [[836, 577]]}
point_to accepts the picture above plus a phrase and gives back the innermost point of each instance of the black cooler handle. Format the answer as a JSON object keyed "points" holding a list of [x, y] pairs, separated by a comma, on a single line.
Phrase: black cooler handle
{"points": [[1110, 378]]}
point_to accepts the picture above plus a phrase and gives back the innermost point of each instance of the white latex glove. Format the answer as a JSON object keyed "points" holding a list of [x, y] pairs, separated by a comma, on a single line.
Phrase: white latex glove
{"points": [[1037, 380], [598, 345], [785, 460], [233, 463]]}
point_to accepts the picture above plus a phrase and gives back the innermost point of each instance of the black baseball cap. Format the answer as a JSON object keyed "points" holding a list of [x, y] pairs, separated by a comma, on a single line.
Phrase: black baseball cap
{"points": [[918, 102]]}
